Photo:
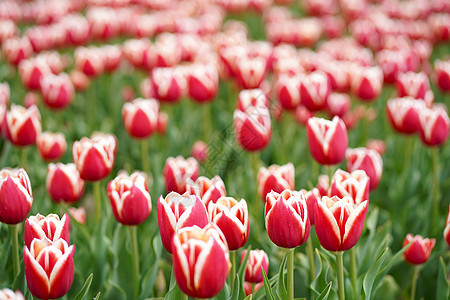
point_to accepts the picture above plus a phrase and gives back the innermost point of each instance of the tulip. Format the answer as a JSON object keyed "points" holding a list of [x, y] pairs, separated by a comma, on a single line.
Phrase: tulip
{"points": [[420, 249], [140, 117], [168, 84], [256, 260], [302, 115], [202, 82], [208, 190], [77, 29], [200, 151], [369, 161], [57, 90], [32, 71], [403, 114], [253, 127], [112, 57], [7, 294], [231, 217], [31, 99], [51, 146], [17, 49], [130, 198], [50, 227], [136, 52], [367, 83], [447, 228], [314, 91], [338, 104], [23, 125], [15, 195], [78, 214], [178, 211], [95, 156], [49, 267], [354, 185], [177, 171], [442, 73], [311, 197], [250, 72], [323, 185], [286, 217], [413, 84], [327, 140], [161, 126], [287, 89], [5, 93], [377, 145], [275, 178], [79, 80], [89, 61], [200, 261], [339, 222], [254, 97], [64, 182], [434, 125]]}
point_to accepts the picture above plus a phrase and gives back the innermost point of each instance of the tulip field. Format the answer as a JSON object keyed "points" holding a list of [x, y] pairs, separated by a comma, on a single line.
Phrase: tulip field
{"points": [[224, 149]]}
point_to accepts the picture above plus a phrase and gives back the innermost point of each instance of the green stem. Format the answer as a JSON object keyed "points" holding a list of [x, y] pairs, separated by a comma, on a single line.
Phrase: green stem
{"points": [[206, 107], [290, 273], [436, 194], [135, 259], [330, 173], [353, 270], [98, 200], [15, 248], [232, 274], [340, 274], [145, 157], [24, 158], [310, 252], [184, 296], [408, 153], [414, 282]]}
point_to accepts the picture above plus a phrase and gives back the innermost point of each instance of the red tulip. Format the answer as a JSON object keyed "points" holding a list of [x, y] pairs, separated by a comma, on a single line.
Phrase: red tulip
{"points": [[200, 151], [254, 97], [377, 145], [256, 260], [49, 268], [367, 82], [130, 199], [23, 125], [8, 30], [403, 114], [32, 71], [15, 195], [275, 178], [413, 84], [314, 91], [95, 156], [64, 182], [178, 211], [7, 294], [208, 190], [231, 217], [50, 227], [202, 82], [250, 288], [327, 140], [140, 117], [103, 22], [323, 185], [442, 73], [51, 146], [287, 89], [253, 127], [168, 84], [338, 104], [57, 90], [250, 72], [4, 93], [354, 185], [420, 249], [17, 49], [286, 217], [339, 222], [447, 228], [161, 126], [434, 125], [78, 214], [311, 197], [201, 261], [112, 57], [392, 62], [79, 80], [89, 61], [31, 98], [369, 161], [177, 171], [76, 28], [137, 53], [302, 115]]}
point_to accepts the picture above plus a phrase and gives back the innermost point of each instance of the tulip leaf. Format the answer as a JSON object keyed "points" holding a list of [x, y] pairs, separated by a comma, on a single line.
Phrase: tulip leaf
{"points": [[174, 292], [224, 293], [249, 297], [87, 284], [235, 295], [19, 281], [5, 254], [371, 275], [97, 297], [325, 292], [267, 286], [238, 289], [149, 278], [261, 292], [281, 283], [443, 285]]}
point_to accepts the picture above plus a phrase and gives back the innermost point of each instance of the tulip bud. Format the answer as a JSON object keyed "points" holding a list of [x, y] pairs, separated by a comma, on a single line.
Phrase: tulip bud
{"points": [[31, 72], [23, 125], [200, 151], [249, 288], [447, 228], [89, 61], [367, 82], [392, 63], [136, 52], [95, 156], [201, 261], [253, 127], [177, 171], [377, 145], [434, 125], [4, 93], [287, 89], [256, 260], [140, 117], [250, 72], [323, 185], [112, 57], [254, 97], [327, 140], [168, 84], [77, 29], [64, 182], [57, 90], [78, 214], [420, 249], [17, 49], [354, 185], [31, 99], [314, 91], [231, 217], [302, 115], [442, 73], [403, 114], [338, 104], [178, 211], [275, 178], [15, 195], [208, 190], [49, 267], [51, 146], [50, 227], [369, 161], [7, 294], [339, 222], [203, 82], [413, 84], [286, 217], [130, 199]]}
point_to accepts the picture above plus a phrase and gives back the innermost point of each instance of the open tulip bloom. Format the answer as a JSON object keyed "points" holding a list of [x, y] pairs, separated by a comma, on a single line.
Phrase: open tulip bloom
{"points": [[51, 227]]}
